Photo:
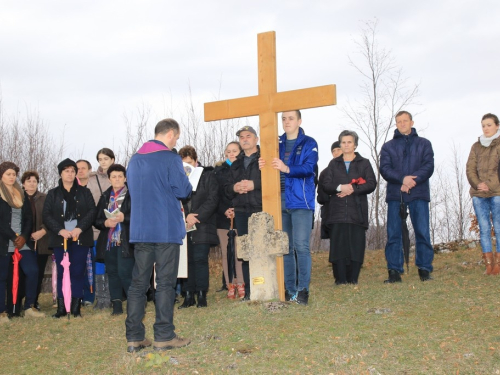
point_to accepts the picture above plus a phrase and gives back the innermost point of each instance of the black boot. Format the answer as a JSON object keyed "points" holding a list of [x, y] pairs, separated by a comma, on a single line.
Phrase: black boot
{"points": [[394, 277], [117, 307], [424, 275], [188, 301], [61, 309], [76, 303], [202, 299]]}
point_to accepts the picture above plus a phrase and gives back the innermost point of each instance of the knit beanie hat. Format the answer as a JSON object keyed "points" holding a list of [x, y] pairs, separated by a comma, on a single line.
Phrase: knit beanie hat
{"points": [[8, 165], [66, 163], [335, 144]]}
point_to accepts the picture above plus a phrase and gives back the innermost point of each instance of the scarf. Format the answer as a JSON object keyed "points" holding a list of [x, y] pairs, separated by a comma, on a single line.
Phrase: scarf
{"points": [[70, 198], [229, 162], [115, 201], [13, 200], [486, 142]]}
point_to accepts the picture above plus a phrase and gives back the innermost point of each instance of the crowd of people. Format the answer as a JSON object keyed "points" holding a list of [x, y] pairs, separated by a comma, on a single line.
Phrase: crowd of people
{"points": [[117, 224]]}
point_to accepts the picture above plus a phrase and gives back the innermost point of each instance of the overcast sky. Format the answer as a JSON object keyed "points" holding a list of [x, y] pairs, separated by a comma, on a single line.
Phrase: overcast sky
{"points": [[84, 64]]}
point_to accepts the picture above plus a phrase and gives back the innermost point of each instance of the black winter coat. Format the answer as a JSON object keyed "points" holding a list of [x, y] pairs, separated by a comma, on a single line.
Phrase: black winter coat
{"points": [[252, 201], [204, 202], [223, 174], [53, 215], [324, 200], [352, 209], [102, 240], [6, 232]]}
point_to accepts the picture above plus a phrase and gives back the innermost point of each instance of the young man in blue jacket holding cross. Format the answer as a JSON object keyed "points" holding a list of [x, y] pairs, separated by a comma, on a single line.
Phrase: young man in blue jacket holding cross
{"points": [[297, 164]]}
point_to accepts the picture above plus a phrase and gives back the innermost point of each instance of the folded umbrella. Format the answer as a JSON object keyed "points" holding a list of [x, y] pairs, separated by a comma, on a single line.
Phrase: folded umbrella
{"points": [[16, 257], [231, 256], [54, 280], [403, 213], [66, 281], [90, 271]]}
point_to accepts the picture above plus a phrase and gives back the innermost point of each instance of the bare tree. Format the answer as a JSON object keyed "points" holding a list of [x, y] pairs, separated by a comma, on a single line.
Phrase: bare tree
{"points": [[384, 92], [137, 132], [27, 142]]}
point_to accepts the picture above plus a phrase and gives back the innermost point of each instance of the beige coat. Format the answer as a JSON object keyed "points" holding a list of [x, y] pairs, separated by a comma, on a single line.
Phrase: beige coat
{"points": [[93, 186], [482, 166]]}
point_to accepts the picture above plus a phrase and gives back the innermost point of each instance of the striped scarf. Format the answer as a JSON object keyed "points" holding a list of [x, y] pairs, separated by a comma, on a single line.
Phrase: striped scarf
{"points": [[115, 201]]}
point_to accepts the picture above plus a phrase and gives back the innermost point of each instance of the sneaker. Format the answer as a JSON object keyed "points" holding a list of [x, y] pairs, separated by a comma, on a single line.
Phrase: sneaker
{"points": [[424, 275], [394, 277], [87, 304], [4, 318], [33, 313], [176, 342], [135, 346], [287, 295], [302, 297], [291, 297]]}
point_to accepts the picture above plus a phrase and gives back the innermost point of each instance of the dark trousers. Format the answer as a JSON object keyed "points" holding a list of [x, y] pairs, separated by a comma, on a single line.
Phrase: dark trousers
{"points": [[78, 259], [4, 274], [345, 273], [166, 256], [42, 263], [119, 270], [197, 267], [241, 222]]}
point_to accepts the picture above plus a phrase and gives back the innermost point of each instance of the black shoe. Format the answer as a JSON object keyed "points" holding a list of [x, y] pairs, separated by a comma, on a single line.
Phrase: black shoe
{"points": [[37, 306], [424, 275], [202, 299], [302, 297], [222, 288], [117, 307], [188, 301], [61, 309], [287, 295], [76, 304], [394, 277]]}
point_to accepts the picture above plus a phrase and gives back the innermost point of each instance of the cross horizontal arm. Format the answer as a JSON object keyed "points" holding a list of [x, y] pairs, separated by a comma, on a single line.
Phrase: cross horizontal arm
{"points": [[275, 102]]}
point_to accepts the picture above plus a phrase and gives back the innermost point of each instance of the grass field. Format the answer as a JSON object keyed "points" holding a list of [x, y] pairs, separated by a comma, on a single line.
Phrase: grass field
{"points": [[450, 325]]}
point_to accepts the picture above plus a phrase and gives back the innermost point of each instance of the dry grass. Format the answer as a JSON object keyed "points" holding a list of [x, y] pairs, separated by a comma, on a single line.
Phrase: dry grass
{"points": [[446, 326]]}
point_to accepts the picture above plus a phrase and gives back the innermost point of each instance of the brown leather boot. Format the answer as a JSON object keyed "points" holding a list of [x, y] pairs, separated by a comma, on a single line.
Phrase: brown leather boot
{"points": [[496, 264], [488, 261]]}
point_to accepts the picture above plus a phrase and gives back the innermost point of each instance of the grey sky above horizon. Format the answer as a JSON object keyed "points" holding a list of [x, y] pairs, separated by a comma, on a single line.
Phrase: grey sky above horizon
{"points": [[83, 65]]}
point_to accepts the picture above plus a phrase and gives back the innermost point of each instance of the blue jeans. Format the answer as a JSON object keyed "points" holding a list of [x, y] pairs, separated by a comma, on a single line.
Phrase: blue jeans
{"points": [[78, 259], [419, 215], [483, 208], [166, 256], [297, 223]]}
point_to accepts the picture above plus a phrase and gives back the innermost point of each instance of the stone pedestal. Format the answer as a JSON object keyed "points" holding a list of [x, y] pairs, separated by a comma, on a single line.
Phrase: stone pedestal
{"points": [[260, 247]]}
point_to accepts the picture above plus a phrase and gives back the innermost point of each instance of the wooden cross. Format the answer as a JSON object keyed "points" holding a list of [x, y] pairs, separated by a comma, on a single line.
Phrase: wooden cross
{"points": [[267, 105]]}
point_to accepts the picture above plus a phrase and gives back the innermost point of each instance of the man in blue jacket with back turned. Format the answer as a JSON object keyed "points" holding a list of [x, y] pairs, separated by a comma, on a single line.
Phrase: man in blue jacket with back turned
{"points": [[407, 164], [297, 164], [157, 182]]}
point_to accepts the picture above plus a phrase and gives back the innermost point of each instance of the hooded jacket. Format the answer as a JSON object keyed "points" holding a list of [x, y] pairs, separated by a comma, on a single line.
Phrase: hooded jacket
{"points": [[407, 155], [482, 166], [157, 182], [300, 188]]}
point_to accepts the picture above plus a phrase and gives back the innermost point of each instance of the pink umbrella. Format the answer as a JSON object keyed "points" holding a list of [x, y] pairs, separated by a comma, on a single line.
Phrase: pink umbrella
{"points": [[66, 281], [54, 279]]}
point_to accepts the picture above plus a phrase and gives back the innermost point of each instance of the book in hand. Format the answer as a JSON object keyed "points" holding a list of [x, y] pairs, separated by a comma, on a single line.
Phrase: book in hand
{"points": [[111, 215], [193, 173], [191, 229]]}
